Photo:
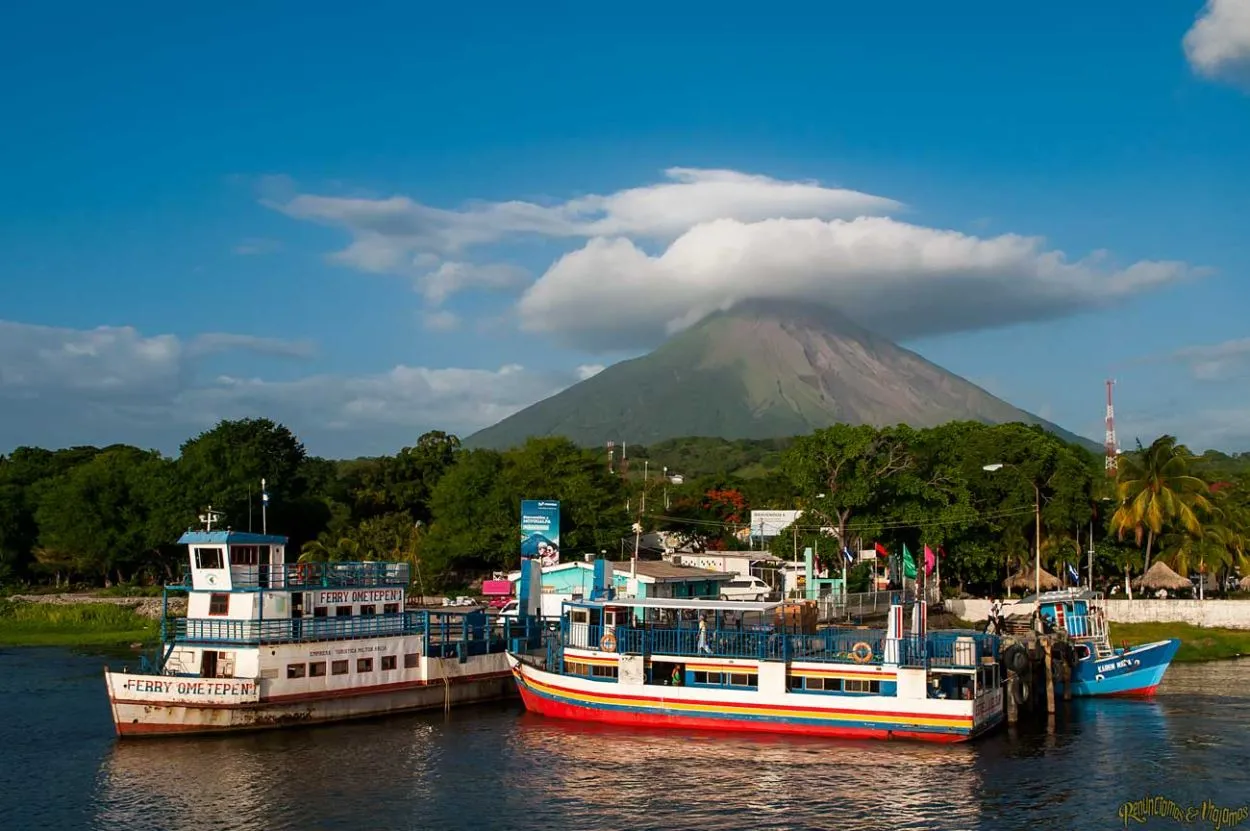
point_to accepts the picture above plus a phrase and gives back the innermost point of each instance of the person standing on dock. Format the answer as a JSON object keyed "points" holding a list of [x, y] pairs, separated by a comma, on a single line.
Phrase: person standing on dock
{"points": [[703, 647]]}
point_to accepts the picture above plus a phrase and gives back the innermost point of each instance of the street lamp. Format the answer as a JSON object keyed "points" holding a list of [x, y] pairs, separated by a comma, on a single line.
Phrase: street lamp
{"points": [[1037, 536]]}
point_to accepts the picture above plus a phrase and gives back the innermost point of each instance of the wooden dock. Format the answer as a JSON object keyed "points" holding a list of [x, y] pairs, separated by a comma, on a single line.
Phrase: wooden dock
{"points": [[1033, 663]]}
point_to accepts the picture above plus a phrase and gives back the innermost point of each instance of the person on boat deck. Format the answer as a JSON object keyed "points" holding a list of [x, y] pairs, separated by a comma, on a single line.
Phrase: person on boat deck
{"points": [[675, 680], [703, 647]]}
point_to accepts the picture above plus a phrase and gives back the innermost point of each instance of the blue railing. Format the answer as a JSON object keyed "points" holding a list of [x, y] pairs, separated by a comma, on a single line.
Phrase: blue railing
{"points": [[857, 646], [443, 634], [315, 575]]}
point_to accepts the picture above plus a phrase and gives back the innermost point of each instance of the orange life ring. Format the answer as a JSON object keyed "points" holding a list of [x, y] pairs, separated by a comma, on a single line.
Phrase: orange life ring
{"points": [[608, 642], [861, 653]]}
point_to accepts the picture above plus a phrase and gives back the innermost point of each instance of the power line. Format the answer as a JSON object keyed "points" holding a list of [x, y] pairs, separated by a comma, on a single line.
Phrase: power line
{"points": [[857, 526]]}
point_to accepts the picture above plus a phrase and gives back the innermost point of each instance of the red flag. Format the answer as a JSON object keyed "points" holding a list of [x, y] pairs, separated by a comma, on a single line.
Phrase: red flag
{"points": [[881, 550], [930, 560]]}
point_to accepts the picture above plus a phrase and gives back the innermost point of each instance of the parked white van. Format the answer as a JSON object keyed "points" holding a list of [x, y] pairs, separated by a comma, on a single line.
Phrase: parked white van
{"points": [[745, 588]]}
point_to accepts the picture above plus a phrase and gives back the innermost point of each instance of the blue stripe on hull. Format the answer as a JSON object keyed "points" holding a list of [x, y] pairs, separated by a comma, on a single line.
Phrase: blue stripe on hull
{"points": [[813, 722], [1126, 672]]}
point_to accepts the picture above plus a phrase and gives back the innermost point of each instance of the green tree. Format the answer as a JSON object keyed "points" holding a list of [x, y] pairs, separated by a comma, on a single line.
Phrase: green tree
{"points": [[113, 514], [475, 523], [224, 466], [839, 471], [1156, 489]]}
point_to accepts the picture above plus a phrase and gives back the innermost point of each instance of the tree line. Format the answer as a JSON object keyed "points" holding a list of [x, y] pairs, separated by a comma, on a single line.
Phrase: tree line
{"points": [[109, 515]]}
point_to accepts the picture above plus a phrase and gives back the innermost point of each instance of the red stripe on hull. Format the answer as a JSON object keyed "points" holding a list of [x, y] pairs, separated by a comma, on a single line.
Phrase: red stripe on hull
{"points": [[566, 710], [1142, 692]]}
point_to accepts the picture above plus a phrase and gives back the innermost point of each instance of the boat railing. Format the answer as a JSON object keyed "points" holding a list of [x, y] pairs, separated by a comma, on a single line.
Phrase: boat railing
{"points": [[444, 634], [858, 646], [329, 575]]}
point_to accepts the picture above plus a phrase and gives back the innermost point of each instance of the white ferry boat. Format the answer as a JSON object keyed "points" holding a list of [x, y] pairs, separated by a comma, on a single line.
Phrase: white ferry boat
{"points": [[724, 665], [266, 643]]}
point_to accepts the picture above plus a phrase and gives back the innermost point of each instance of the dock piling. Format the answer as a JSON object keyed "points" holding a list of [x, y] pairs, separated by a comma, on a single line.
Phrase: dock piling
{"points": [[1013, 697], [1050, 676]]}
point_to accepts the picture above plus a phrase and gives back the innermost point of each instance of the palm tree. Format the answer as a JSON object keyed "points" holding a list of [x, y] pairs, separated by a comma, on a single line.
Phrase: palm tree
{"points": [[1155, 490], [315, 551]]}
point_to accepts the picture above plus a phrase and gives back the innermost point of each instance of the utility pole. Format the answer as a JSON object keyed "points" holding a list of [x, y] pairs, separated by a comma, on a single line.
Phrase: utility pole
{"points": [[264, 508]]}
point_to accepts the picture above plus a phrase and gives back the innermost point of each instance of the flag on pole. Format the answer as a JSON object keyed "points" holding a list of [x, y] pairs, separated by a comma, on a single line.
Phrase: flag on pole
{"points": [[909, 564], [881, 550], [1072, 572], [264, 492], [846, 552], [930, 560]]}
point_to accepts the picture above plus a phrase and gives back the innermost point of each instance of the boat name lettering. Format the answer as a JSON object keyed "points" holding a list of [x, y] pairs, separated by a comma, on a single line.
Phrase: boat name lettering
{"points": [[1113, 665], [175, 687], [361, 596]]}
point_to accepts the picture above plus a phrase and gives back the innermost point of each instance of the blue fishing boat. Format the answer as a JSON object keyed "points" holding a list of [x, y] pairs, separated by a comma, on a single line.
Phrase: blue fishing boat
{"points": [[1100, 669]]}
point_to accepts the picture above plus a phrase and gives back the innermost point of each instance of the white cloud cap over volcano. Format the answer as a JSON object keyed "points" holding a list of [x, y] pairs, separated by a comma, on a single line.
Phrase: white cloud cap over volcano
{"points": [[902, 280]]}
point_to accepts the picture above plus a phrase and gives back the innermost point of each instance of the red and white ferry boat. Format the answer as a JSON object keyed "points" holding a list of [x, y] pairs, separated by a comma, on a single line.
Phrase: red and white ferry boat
{"points": [[266, 643], [724, 665]]}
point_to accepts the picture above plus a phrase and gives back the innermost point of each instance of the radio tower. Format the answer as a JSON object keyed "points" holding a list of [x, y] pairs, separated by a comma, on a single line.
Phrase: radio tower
{"points": [[1110, 444]]}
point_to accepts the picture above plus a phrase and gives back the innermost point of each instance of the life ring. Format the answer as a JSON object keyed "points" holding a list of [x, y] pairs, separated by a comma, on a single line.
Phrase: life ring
{"points": [[861, 653], [608, 642]]}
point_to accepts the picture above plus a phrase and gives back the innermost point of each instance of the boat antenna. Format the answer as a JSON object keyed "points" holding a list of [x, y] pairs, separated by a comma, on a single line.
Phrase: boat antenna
{"points": [[209, 517]]}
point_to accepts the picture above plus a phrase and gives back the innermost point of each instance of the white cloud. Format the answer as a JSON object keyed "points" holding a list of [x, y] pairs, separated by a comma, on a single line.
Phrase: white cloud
{"points": [[440, 320], [453, 277], [729, 237], [212, 343], [588, 371], [61, 387], [105, 360], [1218, 44], [902, 280], [1215, 362], [389, 232]]}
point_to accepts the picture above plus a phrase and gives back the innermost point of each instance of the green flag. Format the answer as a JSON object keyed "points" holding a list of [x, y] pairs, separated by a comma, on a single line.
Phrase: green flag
{"points": [[909, 564]]}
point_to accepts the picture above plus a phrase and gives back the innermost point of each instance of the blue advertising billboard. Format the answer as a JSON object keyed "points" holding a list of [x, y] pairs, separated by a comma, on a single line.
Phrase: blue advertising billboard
{"points": [[540, 530]]}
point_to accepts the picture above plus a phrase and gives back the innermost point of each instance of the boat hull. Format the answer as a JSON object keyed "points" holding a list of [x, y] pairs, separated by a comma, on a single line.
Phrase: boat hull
{"points": [[135, 715], [1133, 673], [557, 696]]}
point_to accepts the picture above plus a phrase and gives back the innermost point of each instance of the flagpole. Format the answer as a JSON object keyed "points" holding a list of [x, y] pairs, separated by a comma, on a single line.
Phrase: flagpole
{"points": [[264, 508]]}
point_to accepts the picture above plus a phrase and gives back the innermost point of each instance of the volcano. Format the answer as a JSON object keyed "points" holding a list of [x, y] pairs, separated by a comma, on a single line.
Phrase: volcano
{"points": [[763, 370]]}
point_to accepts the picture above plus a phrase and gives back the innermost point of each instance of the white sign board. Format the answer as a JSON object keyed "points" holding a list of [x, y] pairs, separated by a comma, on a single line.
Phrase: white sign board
{"points": [[772, 523]]}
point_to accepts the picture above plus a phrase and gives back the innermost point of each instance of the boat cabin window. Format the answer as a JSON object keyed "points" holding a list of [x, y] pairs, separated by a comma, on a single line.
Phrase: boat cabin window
{"points": [[388, 662], [369, 610], [219, 603], [579, 616], [707, 678], [364, 665], [342, 611], [812, 684], [295, 670], [317, 669], [208, 558], [246, 555], [320, 611], [338, 667], [390, 608], [412, 660], [603, 672], [859, 685]]}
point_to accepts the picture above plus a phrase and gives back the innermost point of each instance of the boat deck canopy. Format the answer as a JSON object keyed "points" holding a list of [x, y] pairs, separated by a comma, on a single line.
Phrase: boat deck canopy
{"points": [[667, 603]]}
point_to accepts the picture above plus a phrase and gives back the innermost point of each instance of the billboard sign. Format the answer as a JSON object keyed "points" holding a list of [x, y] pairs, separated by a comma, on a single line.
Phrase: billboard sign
{"points": [[540, 530], [772, 523]]}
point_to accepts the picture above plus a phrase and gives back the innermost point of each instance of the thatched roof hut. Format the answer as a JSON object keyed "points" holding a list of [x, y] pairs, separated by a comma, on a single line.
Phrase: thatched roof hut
{"points": [[1024, 580], [1161, 577]]}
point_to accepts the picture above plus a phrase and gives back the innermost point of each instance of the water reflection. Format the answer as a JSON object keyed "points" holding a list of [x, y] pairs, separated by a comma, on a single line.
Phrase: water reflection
{"points": [[497, 767]]}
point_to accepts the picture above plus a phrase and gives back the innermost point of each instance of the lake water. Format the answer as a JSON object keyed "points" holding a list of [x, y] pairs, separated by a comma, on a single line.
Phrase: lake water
{"points": [[496, 767]]}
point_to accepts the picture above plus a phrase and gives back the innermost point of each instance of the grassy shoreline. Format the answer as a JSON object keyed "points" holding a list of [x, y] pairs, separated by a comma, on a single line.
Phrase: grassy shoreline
{"points": [[73, 624], [1197, 643]]}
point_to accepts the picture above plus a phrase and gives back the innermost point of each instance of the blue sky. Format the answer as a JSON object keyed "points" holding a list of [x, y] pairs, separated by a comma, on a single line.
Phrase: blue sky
{"points": [[371, 224]]}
